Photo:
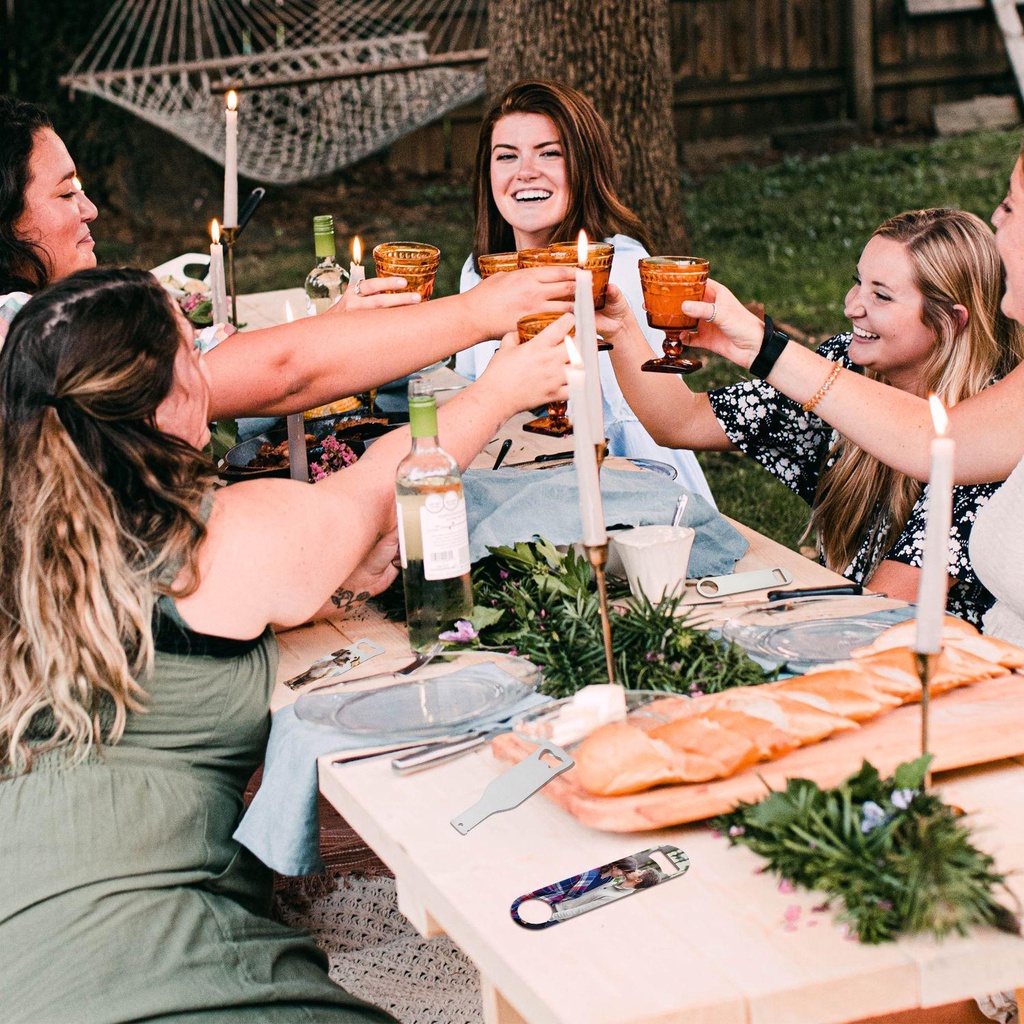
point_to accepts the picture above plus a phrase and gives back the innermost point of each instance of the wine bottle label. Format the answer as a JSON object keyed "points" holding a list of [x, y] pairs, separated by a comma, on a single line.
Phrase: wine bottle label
{"points": [[445, 533]]}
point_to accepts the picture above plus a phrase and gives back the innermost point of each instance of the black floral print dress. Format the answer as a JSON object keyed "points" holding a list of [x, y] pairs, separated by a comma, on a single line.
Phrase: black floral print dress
{"points": [[794, 446]]}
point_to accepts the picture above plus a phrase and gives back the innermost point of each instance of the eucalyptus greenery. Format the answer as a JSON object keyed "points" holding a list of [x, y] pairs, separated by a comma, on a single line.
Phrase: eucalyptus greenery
{"points": [[891, 853], [540, 602]]}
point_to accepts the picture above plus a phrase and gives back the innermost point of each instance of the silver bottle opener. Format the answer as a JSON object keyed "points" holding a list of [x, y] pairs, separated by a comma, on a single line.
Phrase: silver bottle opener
{"points": [[514, 786], [598, 887], [741, 582]]}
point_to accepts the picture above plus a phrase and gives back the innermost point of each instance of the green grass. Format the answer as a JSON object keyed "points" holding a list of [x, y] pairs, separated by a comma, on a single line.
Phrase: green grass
{"points": [[790, 235]]}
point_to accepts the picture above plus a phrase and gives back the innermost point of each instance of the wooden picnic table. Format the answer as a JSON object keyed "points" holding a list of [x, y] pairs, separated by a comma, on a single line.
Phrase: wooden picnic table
{"points": [[717, 945]]}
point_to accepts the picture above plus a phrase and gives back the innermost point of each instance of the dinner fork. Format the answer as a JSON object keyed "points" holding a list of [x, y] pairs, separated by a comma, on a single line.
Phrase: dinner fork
{"points": [[419, 660]]}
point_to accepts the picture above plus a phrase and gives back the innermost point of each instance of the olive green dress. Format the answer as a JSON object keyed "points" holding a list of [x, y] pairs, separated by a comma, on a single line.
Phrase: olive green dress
{"points": [[123, 896]]}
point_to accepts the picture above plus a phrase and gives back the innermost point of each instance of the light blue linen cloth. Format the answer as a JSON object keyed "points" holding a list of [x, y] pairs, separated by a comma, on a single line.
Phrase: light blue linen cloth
{"points": [[282, 826], [509, 505]]}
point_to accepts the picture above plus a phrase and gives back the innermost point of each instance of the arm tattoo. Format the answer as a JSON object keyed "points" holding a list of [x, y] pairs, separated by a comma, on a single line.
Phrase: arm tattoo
{"points": [[344, 600]]}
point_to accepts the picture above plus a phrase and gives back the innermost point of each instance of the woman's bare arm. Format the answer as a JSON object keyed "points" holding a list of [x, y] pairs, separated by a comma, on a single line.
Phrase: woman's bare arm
{"points": [[278, 549], [316, 360], [672, 414], [892, 425]]}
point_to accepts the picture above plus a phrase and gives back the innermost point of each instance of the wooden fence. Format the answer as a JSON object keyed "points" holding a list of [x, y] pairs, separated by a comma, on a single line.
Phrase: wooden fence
{"points": [[758, 69]]}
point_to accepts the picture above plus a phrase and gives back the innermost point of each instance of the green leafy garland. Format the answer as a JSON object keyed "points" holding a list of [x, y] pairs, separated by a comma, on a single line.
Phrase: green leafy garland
{"points": [[540, 602], [895, 856]]}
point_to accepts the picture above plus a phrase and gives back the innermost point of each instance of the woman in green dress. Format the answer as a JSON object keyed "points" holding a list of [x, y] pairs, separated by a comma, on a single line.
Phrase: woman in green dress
{"points": [[137, 656]]}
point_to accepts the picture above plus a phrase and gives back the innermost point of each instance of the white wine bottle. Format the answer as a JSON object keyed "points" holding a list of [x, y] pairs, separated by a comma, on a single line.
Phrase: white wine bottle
{"points": [[433, 535], [323, 285]]}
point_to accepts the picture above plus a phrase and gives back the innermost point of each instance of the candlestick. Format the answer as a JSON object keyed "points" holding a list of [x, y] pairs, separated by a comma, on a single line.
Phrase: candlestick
{"points": [[597, 555], [587, 479], [586, 339], [925, 663], [934, 579], [231, 161], [356, 270], [218, 296], [298, 460], [229, 235]]}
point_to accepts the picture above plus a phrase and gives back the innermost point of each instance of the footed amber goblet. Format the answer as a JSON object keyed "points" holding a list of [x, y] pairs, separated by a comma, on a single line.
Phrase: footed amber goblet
{"points": [[599, 263], [497, 263], [417, 262], [667, 282], [556, 423]]}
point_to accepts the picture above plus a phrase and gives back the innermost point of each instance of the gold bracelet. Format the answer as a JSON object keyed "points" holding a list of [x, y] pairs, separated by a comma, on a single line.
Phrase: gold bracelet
{"points": [[818, 395]]}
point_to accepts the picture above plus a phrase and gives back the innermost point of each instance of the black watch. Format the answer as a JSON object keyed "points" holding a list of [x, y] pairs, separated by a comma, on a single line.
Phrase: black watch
{"points": [[771, 348]]}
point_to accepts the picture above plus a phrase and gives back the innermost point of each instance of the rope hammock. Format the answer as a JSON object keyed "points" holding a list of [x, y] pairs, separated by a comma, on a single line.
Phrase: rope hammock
{"points": [[322, 83]]}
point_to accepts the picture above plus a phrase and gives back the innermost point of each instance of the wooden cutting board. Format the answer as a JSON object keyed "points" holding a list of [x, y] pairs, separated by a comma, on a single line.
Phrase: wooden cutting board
{"points": [[973, 725]]}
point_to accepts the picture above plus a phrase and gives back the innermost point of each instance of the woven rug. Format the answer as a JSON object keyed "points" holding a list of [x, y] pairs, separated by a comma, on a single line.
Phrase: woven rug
{"points": [[376, 954]]}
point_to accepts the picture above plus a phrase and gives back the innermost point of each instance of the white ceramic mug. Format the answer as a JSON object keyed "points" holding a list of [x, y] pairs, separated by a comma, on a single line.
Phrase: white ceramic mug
{"points": [[655, 559]]}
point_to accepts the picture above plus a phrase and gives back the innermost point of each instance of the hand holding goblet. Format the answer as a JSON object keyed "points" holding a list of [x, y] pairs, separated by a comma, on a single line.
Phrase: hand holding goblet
{"points": [[667, 282]]}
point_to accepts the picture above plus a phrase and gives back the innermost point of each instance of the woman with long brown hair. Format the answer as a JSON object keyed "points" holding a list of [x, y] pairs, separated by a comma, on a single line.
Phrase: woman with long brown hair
{"points": [[925, 317], [137, 657], [545, 169]]}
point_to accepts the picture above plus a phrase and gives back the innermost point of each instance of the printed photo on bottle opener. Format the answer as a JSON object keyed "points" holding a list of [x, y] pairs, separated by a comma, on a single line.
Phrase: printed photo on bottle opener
{"points": [[598, 887]]}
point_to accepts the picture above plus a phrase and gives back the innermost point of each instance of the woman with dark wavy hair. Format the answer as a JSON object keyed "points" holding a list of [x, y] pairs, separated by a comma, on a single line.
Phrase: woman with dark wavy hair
{"points": [[545, 169], [137, 658], [44, 235]]}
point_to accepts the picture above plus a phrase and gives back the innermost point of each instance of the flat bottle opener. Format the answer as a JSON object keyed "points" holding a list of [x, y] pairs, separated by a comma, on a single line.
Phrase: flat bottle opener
{"points": [[598, 887], [337, 662], [741, 582], [514, 786]]}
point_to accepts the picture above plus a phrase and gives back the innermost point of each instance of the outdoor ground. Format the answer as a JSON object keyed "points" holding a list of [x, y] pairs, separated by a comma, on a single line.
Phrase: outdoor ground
{"points": [[788, 234]]}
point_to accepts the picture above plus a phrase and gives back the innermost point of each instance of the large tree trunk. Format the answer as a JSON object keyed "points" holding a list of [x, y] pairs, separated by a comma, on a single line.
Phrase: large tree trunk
{"points": [[617, 53]]}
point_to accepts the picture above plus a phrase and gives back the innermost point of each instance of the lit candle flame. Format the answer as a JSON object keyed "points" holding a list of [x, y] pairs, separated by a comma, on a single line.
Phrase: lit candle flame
{"points": [[357, 250], [581, 249], [232, 99], [214, 231], [939, 416], [574, 353], [77, 182], [289, 316]]}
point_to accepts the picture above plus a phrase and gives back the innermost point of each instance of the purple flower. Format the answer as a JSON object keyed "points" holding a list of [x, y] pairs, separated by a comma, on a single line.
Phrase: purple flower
{"points": [[503, 574], [901, 798], [872, 817], [463, 633]]}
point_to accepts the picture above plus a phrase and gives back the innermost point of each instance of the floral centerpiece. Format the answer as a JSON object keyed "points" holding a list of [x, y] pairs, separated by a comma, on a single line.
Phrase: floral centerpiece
{"points": [[539, 602], [892, 855]]}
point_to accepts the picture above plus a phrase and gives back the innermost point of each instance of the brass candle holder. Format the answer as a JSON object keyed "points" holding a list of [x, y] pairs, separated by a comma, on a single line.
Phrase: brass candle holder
{"points": [[228, 236], [925, 663], [597, 555]]}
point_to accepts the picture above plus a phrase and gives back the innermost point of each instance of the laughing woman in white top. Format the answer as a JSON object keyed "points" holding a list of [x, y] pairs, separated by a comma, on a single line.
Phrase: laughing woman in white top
{"points": [[544, 170]]}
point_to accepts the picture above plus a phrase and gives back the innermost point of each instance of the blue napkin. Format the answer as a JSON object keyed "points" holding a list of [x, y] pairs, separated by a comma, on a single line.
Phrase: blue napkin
{"points": [[282, 826], [509, 505]]}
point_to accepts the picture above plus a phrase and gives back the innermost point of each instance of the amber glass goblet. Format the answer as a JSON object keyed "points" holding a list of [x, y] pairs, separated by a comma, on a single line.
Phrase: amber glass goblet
{"points": [[599, 263], [667, 282], [497, 263], [556, 423], [563, 254], [417, 262], [544, 257]]}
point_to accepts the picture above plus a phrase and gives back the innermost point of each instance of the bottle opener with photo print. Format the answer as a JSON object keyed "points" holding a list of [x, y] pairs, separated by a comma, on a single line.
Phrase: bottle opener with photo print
{"points": [[599, 887]]}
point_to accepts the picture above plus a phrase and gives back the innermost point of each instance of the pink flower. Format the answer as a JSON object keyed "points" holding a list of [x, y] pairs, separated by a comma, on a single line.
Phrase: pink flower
{"points": [[463, 633], [786, 887]]}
